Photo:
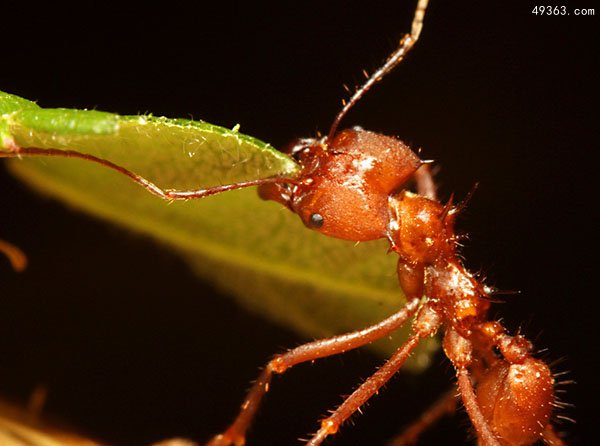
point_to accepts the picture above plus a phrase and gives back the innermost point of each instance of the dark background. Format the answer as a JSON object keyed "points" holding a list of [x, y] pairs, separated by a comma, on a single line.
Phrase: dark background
{"points": [[133, 348]]}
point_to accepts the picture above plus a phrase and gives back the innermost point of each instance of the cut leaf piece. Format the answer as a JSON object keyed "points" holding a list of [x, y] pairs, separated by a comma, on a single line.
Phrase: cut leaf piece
{"points": [[257, 251], [171, 153]]}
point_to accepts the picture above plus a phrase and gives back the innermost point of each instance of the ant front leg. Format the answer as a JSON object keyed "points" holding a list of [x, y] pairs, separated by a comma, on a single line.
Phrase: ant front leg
{"points": [[426, 324], [236, 433]]}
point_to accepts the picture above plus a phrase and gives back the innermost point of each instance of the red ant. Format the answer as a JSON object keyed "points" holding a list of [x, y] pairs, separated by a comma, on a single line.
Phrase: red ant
{"points": [[352, 186]]}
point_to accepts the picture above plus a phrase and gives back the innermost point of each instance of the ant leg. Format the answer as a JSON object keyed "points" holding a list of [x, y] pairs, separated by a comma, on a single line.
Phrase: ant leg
{"points": [[460, 352], [484, 432], [16, 257], [443, 406], [367, 389], [426, 324], [236, 432], [18, 152], [425, 184]]}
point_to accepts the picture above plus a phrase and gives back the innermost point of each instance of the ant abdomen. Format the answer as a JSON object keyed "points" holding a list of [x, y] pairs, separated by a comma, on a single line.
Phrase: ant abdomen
{"points": [[516, 400]]}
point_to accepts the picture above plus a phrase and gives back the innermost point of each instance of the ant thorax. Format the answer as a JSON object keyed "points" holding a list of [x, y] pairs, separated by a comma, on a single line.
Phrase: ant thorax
{"points": [[354, 187], [345, 183]]}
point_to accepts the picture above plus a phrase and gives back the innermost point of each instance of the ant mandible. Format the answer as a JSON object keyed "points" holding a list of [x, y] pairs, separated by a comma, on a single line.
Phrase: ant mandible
{"points": [[352, 186]]}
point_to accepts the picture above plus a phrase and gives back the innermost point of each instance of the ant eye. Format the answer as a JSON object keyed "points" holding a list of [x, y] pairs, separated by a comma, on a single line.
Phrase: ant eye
{"points": [[316, 221]]}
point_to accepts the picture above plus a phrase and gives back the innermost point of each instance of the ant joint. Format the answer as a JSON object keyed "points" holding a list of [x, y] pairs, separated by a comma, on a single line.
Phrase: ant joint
{"points": [[457, 348], [329, 426], [278, 365], [427, 322], [515, 349]]}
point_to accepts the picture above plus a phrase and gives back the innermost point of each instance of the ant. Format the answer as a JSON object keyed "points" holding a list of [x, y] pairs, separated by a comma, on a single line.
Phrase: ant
{"points": [[353, 186]]}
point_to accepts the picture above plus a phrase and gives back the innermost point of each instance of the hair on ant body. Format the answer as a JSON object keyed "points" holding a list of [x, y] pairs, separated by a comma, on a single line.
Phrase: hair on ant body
{"points": [[353, 185]]}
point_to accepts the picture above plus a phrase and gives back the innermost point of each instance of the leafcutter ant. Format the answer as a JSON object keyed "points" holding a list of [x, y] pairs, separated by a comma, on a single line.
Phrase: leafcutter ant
{"points": [[354, 186]]}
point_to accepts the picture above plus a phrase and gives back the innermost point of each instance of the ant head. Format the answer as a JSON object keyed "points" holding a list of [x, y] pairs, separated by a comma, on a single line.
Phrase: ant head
{"points": [[347, 176], [345, 183]]}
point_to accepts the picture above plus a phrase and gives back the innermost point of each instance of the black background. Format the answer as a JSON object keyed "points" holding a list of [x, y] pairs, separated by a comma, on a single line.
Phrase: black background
{"points": [[133, 348]]}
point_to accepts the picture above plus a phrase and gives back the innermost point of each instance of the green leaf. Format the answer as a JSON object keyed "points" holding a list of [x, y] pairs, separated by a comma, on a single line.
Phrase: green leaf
{"points": [[257, 251], [171, 153]]}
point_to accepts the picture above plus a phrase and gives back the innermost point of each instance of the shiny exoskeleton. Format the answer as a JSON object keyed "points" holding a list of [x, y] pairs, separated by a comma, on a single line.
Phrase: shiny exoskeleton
{"points": [[358, 185], [354, 187]]}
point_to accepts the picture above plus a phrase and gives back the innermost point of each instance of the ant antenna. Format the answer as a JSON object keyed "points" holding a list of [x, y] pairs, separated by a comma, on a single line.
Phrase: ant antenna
{"points": [[392, 61], [168, 194]]}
